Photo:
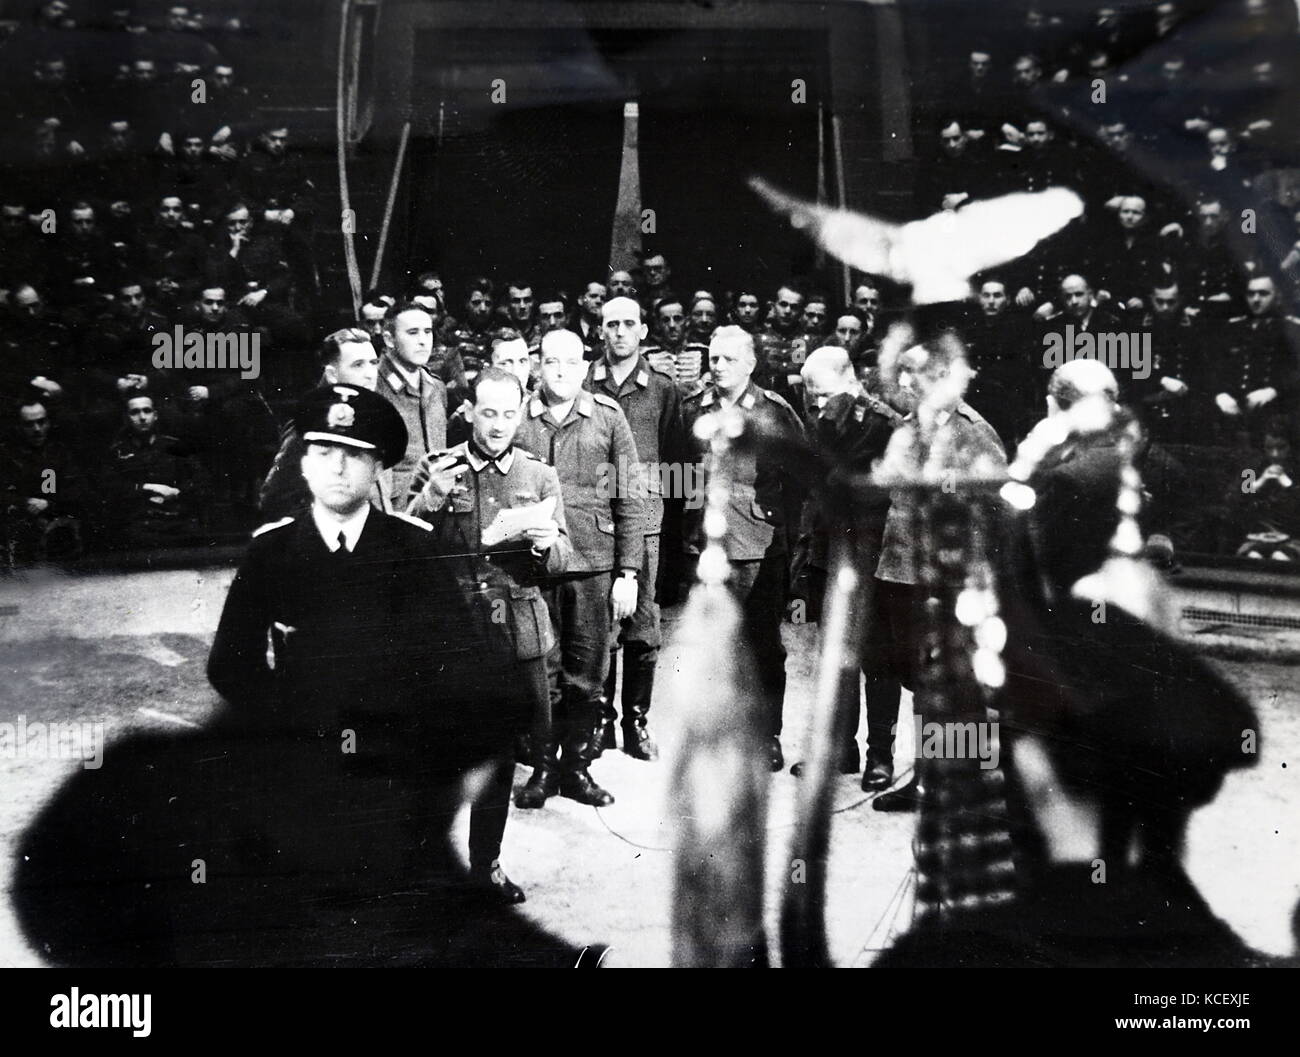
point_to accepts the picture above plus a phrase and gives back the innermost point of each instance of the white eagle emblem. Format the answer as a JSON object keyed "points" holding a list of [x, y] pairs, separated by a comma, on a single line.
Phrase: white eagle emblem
{"points": [[341, 416]]}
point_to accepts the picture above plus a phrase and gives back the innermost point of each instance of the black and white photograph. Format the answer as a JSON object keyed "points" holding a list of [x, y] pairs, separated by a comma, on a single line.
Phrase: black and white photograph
{"points": [[647, 484]]}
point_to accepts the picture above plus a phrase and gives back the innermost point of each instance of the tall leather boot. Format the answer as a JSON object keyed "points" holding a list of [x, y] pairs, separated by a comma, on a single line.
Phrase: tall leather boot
{"points": [[579, 750], [544, 782], [882, 693], [638, 688], [605, 738]]}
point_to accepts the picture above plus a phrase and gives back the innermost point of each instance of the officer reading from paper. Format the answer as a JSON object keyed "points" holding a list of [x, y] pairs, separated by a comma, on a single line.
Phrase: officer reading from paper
{"points": [[500, 506]]}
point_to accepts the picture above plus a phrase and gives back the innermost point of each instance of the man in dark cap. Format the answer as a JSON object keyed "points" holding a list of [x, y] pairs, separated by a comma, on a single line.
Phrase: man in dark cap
{"points": [[319, 805], [378, 671], [347, 356]]}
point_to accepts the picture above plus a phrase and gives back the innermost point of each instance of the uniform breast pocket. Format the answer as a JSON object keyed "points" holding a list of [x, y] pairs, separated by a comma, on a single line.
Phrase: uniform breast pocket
{"points": [[462, 503], [532, 636]]}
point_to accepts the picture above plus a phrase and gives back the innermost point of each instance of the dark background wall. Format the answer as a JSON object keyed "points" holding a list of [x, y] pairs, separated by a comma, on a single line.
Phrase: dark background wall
{"points": [[529, 184]]}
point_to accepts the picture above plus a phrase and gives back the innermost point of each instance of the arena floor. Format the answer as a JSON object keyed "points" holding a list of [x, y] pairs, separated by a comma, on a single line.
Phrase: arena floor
{"points": [[130, 650]]}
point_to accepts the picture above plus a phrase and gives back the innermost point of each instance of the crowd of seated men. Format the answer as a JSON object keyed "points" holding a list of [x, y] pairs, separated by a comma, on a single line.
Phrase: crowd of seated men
{"points": [[141, 454], [141, 195], [1174, 123]]}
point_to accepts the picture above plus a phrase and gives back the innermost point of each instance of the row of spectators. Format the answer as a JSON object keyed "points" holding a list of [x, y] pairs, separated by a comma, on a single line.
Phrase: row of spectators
{"points": [[1197, 375], [1203, 92], [134, 157], [1174, 122]]}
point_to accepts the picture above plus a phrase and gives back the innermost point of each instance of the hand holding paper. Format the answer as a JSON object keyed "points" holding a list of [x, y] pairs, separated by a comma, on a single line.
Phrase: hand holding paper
{"points": [[514, 523]]}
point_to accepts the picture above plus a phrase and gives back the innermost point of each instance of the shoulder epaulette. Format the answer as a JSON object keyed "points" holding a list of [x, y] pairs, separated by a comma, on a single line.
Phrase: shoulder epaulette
{"points": [[696, 392], [1236, 319], [1293, 319], [411, 519], [271, 526], [775, 398], [658, 369], [531, 455], [608, 401]]}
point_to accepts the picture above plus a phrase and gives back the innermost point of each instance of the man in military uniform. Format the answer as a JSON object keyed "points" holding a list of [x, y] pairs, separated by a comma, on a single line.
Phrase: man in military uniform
{"points": [[704, 319], [509, 353], [349, 358], [673, 354], [1257, 375], [552, 313], [375, 645], [42, 491], [587, 323], [153, 486], [656, 273], [1176, 388], [586, 437], [406, 382], [746, 307], [472, 335], [891, 648], [779, 345], [460, 492], [168, 248], [518, 309], [812, 321], [219, 410], [852, 428], [999, 342], [653, 409], [621, 283], [765, 499]]}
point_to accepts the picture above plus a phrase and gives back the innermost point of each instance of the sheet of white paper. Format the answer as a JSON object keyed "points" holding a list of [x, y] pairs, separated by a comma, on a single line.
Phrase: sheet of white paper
{"points": [[514, 522]]}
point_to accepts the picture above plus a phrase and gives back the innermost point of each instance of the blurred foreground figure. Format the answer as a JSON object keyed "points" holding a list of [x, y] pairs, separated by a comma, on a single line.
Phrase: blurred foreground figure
{"points": [[1111, 731]]}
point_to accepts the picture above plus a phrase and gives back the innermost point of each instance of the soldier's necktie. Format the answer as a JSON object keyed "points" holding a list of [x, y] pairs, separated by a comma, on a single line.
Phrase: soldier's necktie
{"points": [[342, 554]]}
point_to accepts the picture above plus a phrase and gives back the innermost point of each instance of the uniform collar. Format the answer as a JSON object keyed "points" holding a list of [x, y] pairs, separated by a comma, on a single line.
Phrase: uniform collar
{"points": [[329, 528], [747, 399], [583, 404], [640, 373], [478, 460], [399, 378]]}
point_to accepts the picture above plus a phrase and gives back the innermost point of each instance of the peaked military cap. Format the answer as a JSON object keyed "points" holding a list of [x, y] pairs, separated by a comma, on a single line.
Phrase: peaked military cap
{"points": [[357, 418]]}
